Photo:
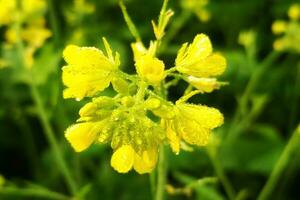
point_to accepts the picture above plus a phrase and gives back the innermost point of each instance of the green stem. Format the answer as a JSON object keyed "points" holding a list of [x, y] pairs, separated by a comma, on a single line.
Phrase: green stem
{"points": [[252, 84], [132, 28], [48, 131], [221, 175], [161, 175], [141, 91], [286, 156], [175, 28], [52, 140], [34, 193], [53, 21]]}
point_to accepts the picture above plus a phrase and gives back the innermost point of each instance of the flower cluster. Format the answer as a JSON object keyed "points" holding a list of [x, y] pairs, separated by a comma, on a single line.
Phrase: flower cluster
{"points": [[25, 21], [139, 118], [289, 31], [199, 7]]}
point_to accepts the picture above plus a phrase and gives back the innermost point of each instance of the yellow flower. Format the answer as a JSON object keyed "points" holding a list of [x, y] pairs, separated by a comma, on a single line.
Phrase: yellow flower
{"points": [[125, 158], [150, 69], [32, 7], [198, 60], [279, 27], [247, 38], [82, 135], [35, 36], [294, 12], [193, 124], [204, 84], [88, 71], [7, 8]]}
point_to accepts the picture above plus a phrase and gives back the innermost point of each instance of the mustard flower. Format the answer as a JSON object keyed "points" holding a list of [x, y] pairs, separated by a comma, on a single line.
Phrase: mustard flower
{"points": [[124, 120]]}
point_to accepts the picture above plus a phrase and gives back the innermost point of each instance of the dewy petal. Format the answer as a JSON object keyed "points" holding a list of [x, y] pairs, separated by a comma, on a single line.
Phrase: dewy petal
{"points": [[193, 133], [84, 81], [207, 117], [146, 162], [88, 71], [82, 135], [172, 136], [194, 123], [213, 65], [150, 69], [123, 158], [90, 57]]}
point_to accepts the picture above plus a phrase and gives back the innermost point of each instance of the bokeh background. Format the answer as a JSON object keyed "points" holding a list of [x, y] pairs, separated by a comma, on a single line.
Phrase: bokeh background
{"points": [[259, 128]]}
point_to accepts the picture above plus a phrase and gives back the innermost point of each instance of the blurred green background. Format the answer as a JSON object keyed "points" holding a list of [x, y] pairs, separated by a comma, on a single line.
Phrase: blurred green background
{"points": [[260, 132]]}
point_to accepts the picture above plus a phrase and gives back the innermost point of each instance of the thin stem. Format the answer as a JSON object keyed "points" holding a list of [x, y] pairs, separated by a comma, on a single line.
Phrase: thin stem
{"points": [[132, 28], [48, 131], [175, 28], [36, 193], [141, 91], [53, 21], [294, 100], [221, 175], [152, 176], [161, 172], [286, 156], [52, 140], [252, 84]]}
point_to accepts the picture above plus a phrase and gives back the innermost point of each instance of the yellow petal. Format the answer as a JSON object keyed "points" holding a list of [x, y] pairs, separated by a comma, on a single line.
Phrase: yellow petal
{"points": [[193, 133], [213, 65], [89, 57], [207, 117], [146, 162], [172, 136], [138, 50], [123, 158], [88, 72], [82, 135], [84, 81], [190, 54]]}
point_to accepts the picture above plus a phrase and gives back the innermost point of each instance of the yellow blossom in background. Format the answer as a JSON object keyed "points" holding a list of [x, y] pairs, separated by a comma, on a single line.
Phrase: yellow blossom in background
{"points": [[279, 26], [88, 71], [247, 38], [33, 32], [7, 8], [294, 12], [150, 69], [199, 7], [289, 31], [31, 8]]}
